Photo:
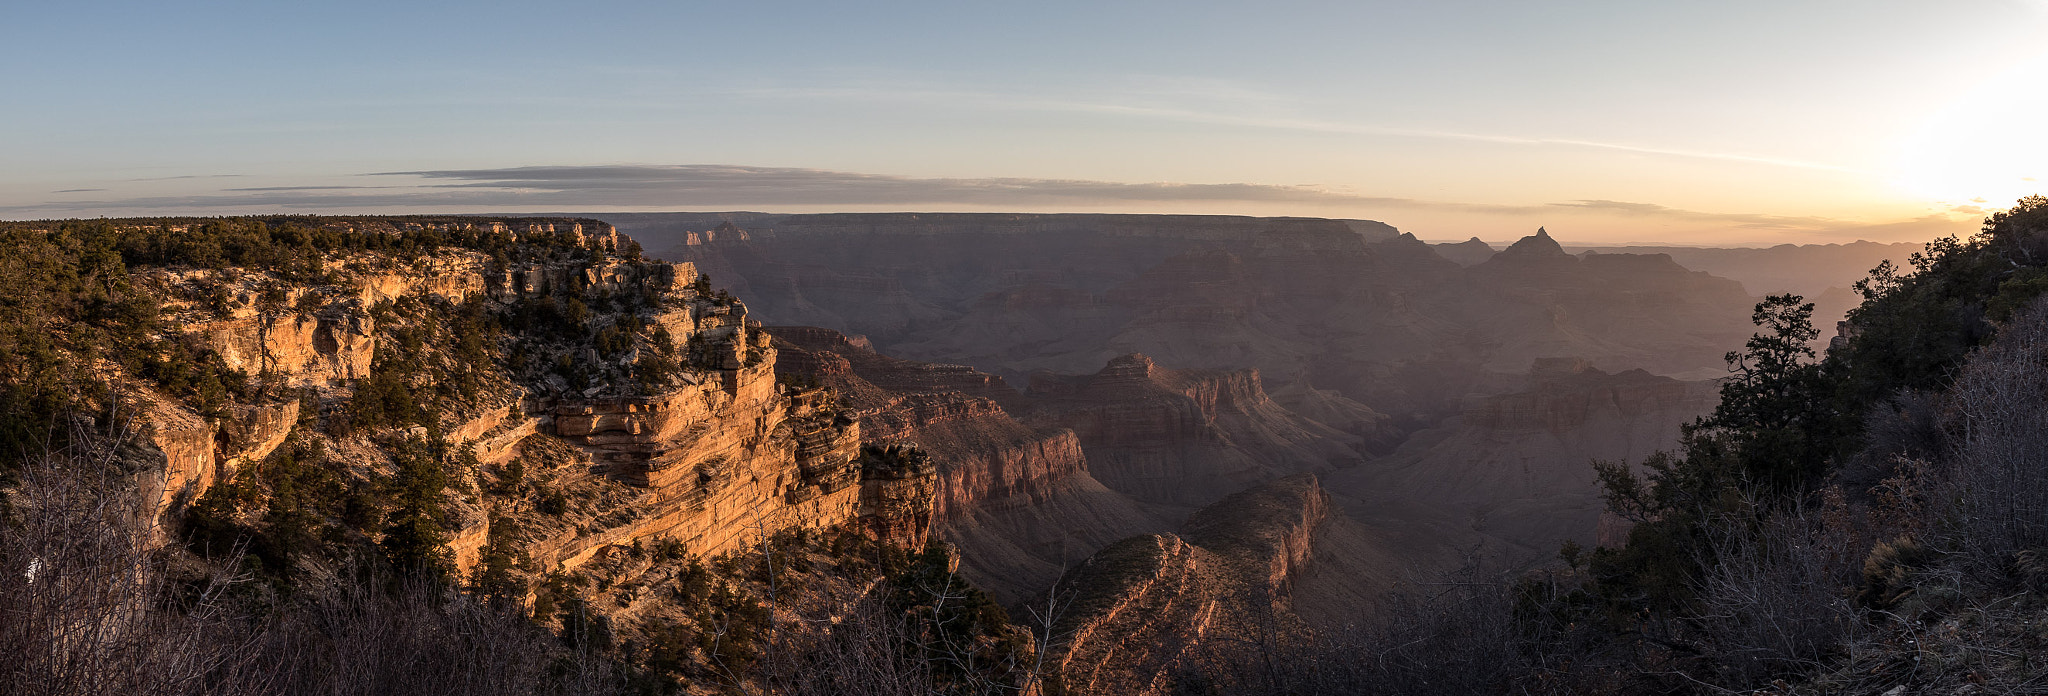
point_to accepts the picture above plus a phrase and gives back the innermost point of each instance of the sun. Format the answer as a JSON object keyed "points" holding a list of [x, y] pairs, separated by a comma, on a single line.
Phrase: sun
{"points": [[1989, 146]]}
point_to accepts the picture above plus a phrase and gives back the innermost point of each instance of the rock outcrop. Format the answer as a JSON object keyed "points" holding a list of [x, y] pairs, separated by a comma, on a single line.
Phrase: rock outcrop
{"points": [[186, 453], [709, 455], [1136, 609]]}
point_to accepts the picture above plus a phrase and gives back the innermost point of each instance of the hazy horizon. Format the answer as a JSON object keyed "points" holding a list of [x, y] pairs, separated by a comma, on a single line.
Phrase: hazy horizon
{"points": [[1738, 124]]}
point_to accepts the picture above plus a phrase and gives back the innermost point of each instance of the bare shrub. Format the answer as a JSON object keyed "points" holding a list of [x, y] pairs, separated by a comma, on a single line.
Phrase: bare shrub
{"points": [[864, 651], [920, 632], [86, 606], [1773, 603], [346, 636], [1901, 430], [91, 603], [1993, 501]]}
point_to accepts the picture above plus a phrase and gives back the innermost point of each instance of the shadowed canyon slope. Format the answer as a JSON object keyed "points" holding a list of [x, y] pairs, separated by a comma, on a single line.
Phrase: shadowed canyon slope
{"points": [[1350, 308]]}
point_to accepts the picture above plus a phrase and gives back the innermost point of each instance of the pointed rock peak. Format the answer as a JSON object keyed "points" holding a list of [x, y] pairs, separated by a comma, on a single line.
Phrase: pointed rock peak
{"points": [[1535, 245], [1476, 240]]}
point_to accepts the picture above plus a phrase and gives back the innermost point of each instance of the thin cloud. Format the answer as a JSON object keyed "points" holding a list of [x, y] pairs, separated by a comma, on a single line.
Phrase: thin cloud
{"points": [[191, 176], [75, 190], [1187, 115], [737, 186], [1747, 220], [307, 188], [641, 185]]}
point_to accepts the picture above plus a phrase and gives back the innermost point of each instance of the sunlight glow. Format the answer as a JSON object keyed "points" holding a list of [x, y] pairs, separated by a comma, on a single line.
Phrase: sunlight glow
{"points": [[1989, 146]]}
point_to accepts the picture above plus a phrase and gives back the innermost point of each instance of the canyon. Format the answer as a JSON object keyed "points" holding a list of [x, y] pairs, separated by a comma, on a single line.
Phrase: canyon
{"points": [[1173, 429]]}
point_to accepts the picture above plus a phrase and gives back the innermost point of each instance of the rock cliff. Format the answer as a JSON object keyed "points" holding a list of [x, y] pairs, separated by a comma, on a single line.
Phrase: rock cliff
{"points": [[1140, 607], [657, 416]]}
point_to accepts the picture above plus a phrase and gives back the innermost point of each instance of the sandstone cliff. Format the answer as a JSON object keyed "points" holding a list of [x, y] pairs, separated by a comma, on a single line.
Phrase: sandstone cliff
{"points": [[656, 417]]}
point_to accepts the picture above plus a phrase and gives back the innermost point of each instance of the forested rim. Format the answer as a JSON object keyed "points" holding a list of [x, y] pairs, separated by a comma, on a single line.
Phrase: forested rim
{"points": [[68, 304], [295, 576]]}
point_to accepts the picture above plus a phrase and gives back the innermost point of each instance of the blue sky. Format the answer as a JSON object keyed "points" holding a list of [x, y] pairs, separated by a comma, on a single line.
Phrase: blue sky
{"points": [[1734, 122]]}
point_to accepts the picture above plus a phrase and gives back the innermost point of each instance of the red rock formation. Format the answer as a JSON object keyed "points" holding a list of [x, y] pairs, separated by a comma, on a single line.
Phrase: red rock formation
{"points": [[896, 494]]}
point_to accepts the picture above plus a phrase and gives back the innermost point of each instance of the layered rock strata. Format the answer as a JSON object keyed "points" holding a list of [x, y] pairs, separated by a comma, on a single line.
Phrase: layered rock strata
{"points": [[1137, 609], [713, 457]]}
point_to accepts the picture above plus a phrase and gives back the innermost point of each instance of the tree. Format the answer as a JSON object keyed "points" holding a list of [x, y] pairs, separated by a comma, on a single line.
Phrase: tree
{"points": [[414, 538], [1775, 416], [1770, 440]]}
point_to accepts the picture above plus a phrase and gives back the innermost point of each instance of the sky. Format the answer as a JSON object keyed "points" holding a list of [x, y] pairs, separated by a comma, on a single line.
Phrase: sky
{"points": [[1713, 123]]}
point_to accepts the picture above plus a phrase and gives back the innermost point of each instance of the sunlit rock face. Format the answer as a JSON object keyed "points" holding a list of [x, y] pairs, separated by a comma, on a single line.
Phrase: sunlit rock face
{"points": [[714, 459]]}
